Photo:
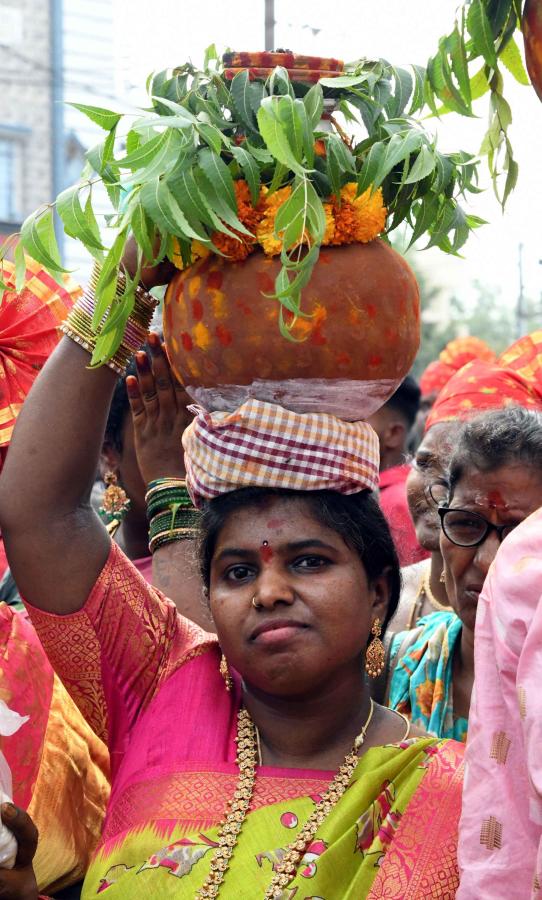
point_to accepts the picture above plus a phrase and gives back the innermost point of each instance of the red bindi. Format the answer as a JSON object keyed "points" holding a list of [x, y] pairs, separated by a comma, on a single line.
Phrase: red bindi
{"points": [[266, 552], [494, 500]]}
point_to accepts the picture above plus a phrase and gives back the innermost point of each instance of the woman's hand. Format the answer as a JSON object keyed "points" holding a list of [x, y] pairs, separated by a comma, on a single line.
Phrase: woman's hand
{"points": [[158, 404], [151, 276], [19, 883]]}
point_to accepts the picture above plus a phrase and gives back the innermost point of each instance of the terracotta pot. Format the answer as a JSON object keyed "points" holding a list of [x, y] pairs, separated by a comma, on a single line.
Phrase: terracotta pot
{"points": [[532, 35], [359, 342]]}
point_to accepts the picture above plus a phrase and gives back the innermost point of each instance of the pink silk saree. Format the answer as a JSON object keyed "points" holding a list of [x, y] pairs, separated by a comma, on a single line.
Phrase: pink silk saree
{"points": [[148, 681], [500, 849]]}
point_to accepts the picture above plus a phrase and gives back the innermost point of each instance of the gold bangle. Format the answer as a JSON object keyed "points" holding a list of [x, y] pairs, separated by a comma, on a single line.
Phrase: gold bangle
{"points": [[78, 325]]}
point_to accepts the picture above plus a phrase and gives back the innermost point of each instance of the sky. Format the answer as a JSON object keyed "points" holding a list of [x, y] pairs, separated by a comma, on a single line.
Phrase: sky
{"points": [[168, 32]]}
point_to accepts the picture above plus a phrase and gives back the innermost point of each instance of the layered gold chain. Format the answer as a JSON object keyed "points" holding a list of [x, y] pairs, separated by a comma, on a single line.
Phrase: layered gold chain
{"points": [[238, 807]]}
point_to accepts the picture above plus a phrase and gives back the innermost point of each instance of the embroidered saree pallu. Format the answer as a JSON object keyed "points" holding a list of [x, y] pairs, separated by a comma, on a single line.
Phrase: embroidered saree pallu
{"points": [[148, 681], [59, 767]]}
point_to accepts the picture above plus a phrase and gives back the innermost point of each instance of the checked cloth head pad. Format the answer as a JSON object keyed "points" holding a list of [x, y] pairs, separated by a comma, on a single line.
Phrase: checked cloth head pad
{"points": [[264, 445]]}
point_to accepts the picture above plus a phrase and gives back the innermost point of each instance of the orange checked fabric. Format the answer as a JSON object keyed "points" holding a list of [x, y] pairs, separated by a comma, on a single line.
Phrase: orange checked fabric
{"points": [[515, 379], [455, 355], [29, 322], [263, 445]]}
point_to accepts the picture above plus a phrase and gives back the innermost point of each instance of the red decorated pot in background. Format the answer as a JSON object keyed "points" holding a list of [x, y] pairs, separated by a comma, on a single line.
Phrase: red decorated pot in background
{"points": [[357, 344], [532, 35]]}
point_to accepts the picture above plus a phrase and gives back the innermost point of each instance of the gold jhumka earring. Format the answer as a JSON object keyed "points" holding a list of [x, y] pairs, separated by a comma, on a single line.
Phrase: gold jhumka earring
{"points": [[115, 503], [376, 654], [225, 672]]}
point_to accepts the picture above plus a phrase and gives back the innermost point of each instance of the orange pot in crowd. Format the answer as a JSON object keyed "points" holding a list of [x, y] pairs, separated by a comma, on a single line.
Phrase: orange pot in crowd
{"points": [[362, 326]]}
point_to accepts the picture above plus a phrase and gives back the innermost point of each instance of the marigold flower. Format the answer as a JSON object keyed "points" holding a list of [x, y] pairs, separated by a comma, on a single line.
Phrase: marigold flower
{"points": [[320, 148], [235, 250], [329, 233], [197, 249], [358, 218], [265, 232], [250, 216]]}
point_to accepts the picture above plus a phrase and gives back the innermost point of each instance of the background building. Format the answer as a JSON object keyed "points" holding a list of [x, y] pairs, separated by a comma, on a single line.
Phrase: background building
{"points": [[51, 52], [26, 110]]}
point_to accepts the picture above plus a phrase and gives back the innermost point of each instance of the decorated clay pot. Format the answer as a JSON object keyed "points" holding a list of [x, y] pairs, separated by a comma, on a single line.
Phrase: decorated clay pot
{"points": [[532, 35], [355, 346]]}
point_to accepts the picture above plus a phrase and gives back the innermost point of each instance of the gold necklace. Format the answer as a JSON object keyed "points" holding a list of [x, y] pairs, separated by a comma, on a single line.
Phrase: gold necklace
{"points": [[426, 588], [247, 754]]}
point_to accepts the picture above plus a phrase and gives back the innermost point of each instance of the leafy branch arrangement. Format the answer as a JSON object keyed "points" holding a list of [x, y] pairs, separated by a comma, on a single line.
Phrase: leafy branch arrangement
{"points": [[483, 38], [175, 186]]}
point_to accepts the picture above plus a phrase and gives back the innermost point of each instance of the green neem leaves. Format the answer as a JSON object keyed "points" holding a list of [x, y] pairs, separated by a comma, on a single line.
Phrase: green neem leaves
{"points": [[479, 28], [282, 130], [170, 170], [483, 34], [78, 222], [39, 240], [105, 118]]}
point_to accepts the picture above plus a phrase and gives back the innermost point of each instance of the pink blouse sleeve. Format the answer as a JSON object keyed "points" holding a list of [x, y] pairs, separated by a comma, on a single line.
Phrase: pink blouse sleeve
{"points": [[500, 840], [113, 654]]}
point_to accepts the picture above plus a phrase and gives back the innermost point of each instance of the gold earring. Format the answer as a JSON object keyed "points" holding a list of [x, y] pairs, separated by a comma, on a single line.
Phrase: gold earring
{"points": [[115, 502], [442, 577], [375, 654], [225, 672]]}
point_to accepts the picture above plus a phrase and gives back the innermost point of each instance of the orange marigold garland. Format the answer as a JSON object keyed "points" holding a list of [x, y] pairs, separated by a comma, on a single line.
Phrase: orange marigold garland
{"points": [[348, 220], [359, 219]]}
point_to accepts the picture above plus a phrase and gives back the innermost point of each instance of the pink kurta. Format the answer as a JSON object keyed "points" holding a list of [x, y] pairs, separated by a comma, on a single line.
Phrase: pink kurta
{"points": [[500, 850]]}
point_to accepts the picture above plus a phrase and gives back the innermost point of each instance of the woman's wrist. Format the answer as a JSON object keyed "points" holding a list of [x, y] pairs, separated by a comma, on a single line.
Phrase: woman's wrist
{"points": [[79, 323], [171, 513]]}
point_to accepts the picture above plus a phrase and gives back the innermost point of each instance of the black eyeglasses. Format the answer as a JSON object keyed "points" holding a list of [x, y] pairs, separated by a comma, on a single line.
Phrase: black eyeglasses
{"points": [[469, 529], [436, 492]]}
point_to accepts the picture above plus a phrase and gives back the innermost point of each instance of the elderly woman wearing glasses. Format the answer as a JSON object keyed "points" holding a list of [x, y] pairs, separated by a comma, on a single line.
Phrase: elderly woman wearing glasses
{"points": [[494, 483], [483, 384]]}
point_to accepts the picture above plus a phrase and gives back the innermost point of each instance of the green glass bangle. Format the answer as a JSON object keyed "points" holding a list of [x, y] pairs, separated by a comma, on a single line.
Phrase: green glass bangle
{"points": [[166, 500], [169, 537], [169, 520]]}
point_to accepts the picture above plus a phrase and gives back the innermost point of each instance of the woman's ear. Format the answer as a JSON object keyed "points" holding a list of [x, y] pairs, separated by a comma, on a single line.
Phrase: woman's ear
{"points": [[381, 594], [110, 459]]}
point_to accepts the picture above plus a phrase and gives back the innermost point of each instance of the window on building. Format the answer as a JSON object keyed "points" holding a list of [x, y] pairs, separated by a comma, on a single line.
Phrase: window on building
{"points": [[10, 175]]}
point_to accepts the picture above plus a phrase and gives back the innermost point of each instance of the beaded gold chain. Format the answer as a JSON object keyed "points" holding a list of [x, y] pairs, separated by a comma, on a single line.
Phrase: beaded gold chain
{"points": [[247, 757]]}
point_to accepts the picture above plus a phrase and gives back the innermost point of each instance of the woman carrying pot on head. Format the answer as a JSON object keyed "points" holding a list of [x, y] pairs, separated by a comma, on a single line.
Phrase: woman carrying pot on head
{"points": [[265, 728], [494, 483]]}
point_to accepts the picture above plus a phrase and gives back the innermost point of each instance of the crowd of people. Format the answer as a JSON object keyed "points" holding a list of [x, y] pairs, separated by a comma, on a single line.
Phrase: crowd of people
{"points": [[239, 674]]}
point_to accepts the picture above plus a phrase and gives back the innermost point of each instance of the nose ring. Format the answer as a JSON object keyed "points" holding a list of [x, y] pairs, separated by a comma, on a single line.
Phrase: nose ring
{"points": [[255, 604]]}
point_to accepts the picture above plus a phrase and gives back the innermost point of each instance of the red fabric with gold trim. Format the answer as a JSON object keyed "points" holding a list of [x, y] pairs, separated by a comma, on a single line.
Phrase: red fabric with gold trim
{"points": [[515, 379], [455, 355], [29, 333]]}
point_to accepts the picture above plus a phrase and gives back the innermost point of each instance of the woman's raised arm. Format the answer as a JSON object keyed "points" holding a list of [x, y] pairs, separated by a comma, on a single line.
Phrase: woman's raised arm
{"points": [[55, 543]]}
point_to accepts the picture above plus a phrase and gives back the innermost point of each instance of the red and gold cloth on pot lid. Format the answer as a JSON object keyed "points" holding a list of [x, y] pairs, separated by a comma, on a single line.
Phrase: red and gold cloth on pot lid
{"points": [[29, 322], [264, 445], [306, 69], [515, 379]]}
